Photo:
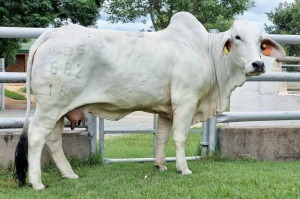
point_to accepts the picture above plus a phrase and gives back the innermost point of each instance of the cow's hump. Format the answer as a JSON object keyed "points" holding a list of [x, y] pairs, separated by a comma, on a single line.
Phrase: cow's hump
{"points": [[184, 21]]}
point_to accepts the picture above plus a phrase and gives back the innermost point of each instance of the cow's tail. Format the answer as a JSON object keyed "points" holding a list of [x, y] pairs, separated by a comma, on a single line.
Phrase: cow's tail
{"points": [[21, 161]]}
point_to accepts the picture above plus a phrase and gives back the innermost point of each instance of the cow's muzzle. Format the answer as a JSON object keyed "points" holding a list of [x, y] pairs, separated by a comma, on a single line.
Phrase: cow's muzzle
{"points": [[258, 66]]}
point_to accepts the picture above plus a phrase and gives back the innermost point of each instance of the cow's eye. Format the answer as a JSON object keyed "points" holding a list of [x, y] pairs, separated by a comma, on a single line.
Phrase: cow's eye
{"points": [[238, 37]]}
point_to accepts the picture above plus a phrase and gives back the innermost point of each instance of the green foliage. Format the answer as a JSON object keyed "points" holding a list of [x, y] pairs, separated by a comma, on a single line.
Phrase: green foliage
{"points": [[14, 95], [84, 12], [286, 21], [8, 49], [19, 14], [36, 13], [212, 13]]}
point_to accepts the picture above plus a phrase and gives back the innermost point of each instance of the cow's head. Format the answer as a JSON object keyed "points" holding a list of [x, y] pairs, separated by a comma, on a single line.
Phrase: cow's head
{"points": [[244, 46]]}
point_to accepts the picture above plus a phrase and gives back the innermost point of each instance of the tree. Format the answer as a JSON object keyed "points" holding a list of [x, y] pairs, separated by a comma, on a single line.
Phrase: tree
{"points": [[212, 13], [286, 21], [37, 13]]}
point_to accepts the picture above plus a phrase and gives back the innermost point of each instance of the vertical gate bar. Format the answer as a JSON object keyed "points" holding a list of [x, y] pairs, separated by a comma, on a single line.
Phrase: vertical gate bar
{"points": [[2, 85], [212, 123], [204, 142], [154, 134], [92, 129], [101, 138]]}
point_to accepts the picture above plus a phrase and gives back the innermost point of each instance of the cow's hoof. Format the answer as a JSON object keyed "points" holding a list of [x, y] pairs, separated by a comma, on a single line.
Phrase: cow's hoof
{"points": [[185, 171], [71, 176], [161, 167], [38, 186]]}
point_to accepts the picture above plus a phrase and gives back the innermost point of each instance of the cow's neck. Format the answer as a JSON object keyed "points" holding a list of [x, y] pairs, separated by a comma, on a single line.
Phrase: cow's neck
{"points": [[228, 76]]}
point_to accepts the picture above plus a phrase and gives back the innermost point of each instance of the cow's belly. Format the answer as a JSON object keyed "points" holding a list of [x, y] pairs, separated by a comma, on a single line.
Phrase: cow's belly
{"points": [[109, 112], [102, 111]]}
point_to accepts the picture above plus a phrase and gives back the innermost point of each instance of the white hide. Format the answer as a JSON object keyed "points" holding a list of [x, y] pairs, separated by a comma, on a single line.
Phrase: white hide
{"points": [[181, 73]]}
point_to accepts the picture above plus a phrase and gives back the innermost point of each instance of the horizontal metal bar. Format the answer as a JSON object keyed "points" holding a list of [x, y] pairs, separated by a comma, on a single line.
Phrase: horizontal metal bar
{"points": [[26, 32], [12, 77], [17, 32], [288, 59], [257, 116], [12, 123], [277, 76], [170, 159], [290, 65], [130, 131], [284, 39], [6, 123]]}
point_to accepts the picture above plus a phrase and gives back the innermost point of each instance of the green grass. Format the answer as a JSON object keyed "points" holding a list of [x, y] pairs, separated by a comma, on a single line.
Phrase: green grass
{"points": [[14, 95], [211, 178], [23, 90], [141, 146]]}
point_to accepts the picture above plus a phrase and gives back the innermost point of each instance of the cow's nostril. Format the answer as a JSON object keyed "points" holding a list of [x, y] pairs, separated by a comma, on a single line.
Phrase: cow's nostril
{"points": [[258, 66]]}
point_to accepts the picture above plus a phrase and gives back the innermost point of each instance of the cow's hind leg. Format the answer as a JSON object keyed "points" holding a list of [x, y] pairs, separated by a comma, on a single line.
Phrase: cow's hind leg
{"points": [[164, 126], [37, 135], [54, 144]]}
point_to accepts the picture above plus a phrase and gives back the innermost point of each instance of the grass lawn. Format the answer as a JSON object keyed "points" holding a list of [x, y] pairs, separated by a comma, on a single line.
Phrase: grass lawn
{"points": [[14, 95], [211, 178]]}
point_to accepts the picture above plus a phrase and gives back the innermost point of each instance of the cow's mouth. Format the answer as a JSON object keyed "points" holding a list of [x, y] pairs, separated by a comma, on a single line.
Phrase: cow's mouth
{"points": [[256, 73]]}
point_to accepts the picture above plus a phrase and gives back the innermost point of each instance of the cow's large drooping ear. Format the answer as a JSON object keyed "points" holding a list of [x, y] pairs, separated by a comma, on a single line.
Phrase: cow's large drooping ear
{"points": [[226, 47], [271, 48]]}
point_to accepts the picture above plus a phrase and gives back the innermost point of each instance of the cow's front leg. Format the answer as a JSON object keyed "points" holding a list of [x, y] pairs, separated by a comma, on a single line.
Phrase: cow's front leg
{"points": [[164, 126], [182, 119]]}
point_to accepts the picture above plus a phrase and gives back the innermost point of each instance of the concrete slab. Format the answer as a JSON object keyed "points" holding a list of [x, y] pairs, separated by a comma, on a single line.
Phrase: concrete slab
{"points": [[75, 143], [279, 143]]}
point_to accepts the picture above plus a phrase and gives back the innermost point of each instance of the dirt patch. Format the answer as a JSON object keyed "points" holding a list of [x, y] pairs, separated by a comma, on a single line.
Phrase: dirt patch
{"points": [[12, 104], [16, 87]]}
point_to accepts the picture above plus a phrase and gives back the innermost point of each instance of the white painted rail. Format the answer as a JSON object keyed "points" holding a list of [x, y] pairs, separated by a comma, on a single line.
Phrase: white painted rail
{"points": [[18, 32]]}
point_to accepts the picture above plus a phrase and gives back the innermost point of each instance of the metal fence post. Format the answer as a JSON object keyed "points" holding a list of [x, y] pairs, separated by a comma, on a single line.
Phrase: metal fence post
{"points": [[154, 134], [209, 138], [2, 69], [205, 135], [212, 129], [101, 139], [92, 129]]}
